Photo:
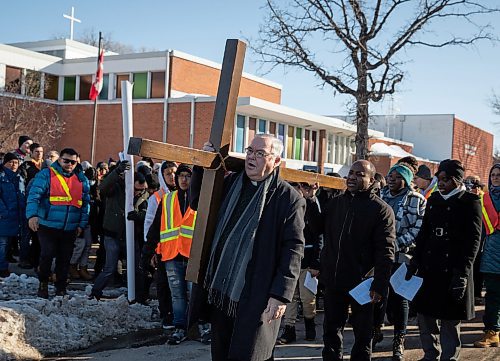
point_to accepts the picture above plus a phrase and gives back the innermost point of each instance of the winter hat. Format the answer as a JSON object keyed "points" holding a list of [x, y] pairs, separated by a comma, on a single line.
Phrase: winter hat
{"points": [[424, 172], [167, 164], [453, 168], [405, 172], [8, 157], [496, 165], [22, 139], [181, 168]]}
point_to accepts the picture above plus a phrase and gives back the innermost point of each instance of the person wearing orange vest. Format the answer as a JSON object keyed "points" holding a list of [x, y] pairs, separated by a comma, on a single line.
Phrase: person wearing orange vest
{"points": [[172, 230], [58, 209], [490, 261]]}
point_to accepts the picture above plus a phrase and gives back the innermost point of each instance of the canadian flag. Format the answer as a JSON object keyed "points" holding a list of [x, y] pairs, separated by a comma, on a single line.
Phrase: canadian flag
{"points": [[96, 88]]}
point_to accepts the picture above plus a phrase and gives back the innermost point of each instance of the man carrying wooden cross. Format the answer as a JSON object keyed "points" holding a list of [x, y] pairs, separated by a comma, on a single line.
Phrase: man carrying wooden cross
{"points": [[256, 252]]}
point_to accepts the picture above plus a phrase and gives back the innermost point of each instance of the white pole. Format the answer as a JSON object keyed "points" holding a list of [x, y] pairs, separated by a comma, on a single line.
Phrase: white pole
{"points": [[129, 186]]}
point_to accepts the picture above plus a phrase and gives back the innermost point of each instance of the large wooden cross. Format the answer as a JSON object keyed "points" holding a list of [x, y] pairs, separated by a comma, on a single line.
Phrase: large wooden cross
{"points": [[220, 137]]}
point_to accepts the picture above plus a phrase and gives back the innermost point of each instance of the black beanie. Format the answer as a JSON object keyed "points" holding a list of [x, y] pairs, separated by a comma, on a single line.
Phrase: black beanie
{"points": [[453, 168], [424, 172], [8, 157], [22, 139]]}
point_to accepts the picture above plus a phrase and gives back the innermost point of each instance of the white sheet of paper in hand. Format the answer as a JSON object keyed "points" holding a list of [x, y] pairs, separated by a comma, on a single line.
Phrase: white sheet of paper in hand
{"points": [[361, 293], [311, 283], [407, 289]]}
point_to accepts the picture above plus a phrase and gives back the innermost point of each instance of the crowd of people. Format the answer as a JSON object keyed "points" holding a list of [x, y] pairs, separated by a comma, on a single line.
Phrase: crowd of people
{"points": [[271, 238]]}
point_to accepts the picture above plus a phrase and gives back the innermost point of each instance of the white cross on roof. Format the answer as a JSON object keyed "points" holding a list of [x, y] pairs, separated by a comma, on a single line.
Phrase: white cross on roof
{"points": [[72, 20]]}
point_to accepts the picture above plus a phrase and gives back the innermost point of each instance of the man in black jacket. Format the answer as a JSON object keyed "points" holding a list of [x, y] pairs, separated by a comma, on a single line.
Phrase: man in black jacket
{"points": [[359, 240]]}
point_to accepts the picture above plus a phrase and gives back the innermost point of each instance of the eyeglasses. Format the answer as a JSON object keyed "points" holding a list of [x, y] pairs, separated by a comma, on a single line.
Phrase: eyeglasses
{"points": [[69, 161], [258, 153], [185, 176]]}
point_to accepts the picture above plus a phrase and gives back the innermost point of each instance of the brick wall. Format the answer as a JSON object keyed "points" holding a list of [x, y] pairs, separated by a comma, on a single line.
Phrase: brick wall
{"points": [[473, 147], [190, 77], [384, 163]]}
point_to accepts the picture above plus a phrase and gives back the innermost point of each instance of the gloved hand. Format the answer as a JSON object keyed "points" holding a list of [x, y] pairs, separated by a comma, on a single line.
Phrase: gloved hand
{"points": [[133, 216], [458, 286], [411, 270], [122, 166]]}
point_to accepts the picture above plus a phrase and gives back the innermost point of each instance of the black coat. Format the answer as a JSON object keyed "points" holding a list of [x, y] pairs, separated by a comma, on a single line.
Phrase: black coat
{"points": [[446, 245], [312, 235], [359, 237], [273, 270]]}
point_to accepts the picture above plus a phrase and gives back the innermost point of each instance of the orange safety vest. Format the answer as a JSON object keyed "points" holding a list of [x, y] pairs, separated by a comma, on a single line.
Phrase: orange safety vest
{"points": [[490, 214], [65, 191], [176, 232]]}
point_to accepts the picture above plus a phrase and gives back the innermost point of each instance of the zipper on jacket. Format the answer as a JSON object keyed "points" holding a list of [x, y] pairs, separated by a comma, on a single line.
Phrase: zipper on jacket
{"points": [[340, 241]]}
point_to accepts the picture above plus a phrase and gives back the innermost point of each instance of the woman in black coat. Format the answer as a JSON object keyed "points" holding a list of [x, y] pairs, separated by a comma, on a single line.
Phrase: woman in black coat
{"points": [[445, 250]]}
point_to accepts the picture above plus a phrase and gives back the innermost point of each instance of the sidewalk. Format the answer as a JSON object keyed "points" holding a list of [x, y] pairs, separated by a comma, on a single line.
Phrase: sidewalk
{"points": [[301, 350]]}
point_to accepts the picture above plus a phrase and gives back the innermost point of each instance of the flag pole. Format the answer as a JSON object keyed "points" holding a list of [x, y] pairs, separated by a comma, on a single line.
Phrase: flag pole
{"points": [[94, 123]]}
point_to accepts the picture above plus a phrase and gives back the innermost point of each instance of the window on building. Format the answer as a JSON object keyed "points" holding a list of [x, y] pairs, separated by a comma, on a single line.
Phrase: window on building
{"points": [[140, 90], [272, 128], [239, 144], [32, 83], [158, 84], [314, 135], [13, 80], [85, 85], [103, 95], [298, 143], [262, 126], [69, 87], [307, 144], [289, 142], [330, 149], [119, 79], [51, 85]]}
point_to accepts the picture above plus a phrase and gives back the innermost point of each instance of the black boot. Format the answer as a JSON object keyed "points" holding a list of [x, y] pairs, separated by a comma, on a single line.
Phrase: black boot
{"points": [[288, 336], [43, 290], [378, 336], [310, 329], [398, 347]]}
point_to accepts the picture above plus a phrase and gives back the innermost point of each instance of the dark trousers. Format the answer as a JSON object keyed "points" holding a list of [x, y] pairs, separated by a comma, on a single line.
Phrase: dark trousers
{"points": [[440, 339], [34, 250], [398, 309], [59, 244], [336, 313], [163, 292], [222, 332], [491, 316]]}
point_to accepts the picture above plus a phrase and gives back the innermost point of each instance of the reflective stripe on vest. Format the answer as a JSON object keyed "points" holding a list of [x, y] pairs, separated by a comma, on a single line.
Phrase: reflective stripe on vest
{"points": [[176, 231], [490, 214], [65, 191]]}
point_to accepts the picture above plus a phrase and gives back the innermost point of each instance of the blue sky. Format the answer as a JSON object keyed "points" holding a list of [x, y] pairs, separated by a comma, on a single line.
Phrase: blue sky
{"points": [[451, 80]]}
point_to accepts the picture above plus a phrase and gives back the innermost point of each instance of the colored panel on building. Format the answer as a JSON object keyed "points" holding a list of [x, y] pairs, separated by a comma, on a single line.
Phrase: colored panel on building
{"points": [[12, 80], [51, 86], [119, 79], [289, 142], [252, 124], [307, 148], [272, 128], [239, 145], [140, 90], [281, 136], [103, 95], [262, 126], [298, 143], [158, 84], [69, 87], [85, 84], [314, 137]]}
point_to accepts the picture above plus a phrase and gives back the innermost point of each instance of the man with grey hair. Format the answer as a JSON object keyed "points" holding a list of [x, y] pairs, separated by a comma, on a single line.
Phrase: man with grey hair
{"points": [[256, 254]]}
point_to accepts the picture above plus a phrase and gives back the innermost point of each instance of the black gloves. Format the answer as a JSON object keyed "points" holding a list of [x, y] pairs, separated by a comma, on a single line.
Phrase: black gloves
{"points": [[122, 166], [457, 287], [133, 216], [411, 270]]}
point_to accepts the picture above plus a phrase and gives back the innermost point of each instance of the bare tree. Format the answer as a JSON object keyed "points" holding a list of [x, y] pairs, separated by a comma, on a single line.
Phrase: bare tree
{"points": [[357, 46], [495, 104], [22, 112], [91, 37]]}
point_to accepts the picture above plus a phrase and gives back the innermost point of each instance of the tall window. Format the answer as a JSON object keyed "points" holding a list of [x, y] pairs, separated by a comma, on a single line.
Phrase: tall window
{"points": [[252, 128], [119, 79], [51, 86], [239, 144], [13, 80], [158, 84], [307, 145], [281, 135], [69, 87], [140, 90], [330, 150], [272, 128], [289, 142], [262, 126], [298, 143], [314, 135], [85, 84]]}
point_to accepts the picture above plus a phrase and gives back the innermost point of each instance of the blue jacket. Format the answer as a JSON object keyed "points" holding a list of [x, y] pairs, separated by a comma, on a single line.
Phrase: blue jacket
{"points": [[490, 259], [12, 202], [66, 218]]}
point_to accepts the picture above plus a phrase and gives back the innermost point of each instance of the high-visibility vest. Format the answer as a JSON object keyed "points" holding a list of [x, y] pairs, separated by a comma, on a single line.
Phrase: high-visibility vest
{"points": [[65, 191], [490, 214], [176, 232], [158, 195]]}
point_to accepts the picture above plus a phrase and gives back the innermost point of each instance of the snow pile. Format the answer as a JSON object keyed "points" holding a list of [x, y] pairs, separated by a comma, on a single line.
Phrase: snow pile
{"points": [[31, 327]]}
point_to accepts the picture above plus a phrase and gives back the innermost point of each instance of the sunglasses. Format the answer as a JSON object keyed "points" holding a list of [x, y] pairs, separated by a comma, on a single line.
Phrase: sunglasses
{"points": [[69, 161]]}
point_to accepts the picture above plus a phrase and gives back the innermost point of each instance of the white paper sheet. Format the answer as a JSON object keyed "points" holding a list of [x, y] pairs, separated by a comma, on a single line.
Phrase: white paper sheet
{"points": [[361, 293], [407, 289], [311, 283]]}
